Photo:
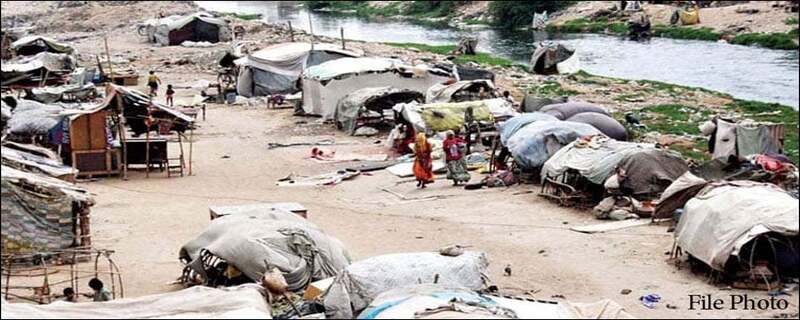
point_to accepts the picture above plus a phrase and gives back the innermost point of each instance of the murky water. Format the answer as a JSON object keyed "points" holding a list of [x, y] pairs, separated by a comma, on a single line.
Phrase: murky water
{"points": [[744, 72]]}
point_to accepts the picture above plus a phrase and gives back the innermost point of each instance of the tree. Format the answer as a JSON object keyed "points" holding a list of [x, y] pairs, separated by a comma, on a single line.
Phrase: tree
{"points": [[514, 14]]}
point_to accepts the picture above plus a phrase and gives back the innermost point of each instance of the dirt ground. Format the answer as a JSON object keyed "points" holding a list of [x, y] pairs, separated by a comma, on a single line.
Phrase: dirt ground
{"points": [[721, 19], [147, 220]]}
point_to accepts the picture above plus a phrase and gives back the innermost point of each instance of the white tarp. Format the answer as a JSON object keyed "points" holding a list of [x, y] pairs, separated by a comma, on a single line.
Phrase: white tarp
{"points": [[594, 159], [355, 288], [158, 29], [277, 68], [538, 140], [242, 302], [58, 47], [46, 60], [722, 218], [327, 83], [441, 92]]}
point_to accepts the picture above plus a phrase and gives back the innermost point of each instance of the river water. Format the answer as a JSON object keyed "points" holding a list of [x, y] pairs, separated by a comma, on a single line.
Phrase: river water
{"points": [[744, 72]]}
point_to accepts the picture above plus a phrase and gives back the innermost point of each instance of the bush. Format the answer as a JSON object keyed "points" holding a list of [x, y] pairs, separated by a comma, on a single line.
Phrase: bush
{"points": [[514, 14], [767, 40]]}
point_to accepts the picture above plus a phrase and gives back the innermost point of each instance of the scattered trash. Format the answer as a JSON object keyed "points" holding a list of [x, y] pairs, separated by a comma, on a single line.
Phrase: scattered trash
{"points": [[507, 270], [323, 142], [650, 300], [328, 179], [625, 291], [366, 131], [452, 250], [671, 306]]}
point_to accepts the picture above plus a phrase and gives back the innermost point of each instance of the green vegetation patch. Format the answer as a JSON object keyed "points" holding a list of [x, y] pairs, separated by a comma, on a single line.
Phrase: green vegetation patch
{"points": [[774, 40], [583, 26], [704, 33], [519, 14], [479, 58], [243, 16], [551, 89], [791, 20]]}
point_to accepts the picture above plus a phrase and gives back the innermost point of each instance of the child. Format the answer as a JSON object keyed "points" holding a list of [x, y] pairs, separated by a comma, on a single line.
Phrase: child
{"points": [[153, 81], [170, 93]]}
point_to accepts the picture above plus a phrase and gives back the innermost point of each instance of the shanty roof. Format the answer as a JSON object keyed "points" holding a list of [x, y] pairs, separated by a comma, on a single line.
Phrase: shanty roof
{"points": [[177, 21], [290, 58], [338, 67], [444, 92], [45, 182], [29, 161], [47, 60], [140, 99], [59, 47], [595, 159]]}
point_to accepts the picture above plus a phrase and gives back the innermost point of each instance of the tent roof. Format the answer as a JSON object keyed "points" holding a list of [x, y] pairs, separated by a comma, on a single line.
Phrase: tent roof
{"points": [[444, 92], [338, 67], [42, 181], [48, 60], [595, 159], [140, 97], [292, 50], [60, 47], [177, 21]]}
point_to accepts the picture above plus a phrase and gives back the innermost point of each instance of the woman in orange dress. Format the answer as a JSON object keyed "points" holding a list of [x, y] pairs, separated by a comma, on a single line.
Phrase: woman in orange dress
{"points": [[423, 163]]}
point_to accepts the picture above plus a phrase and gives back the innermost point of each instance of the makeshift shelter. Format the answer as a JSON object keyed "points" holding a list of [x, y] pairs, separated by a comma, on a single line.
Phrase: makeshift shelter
{"points": [[734, 227], [370, 104], [745, 138], [433, 301], [65, 93], [606, 124], [30, 162], [460, 91], [277, 68], [465, 73], [325, 84], [242, 302], [564, 111], [358, 284], [32, 45], [649, 172], [553, 58], [138, 107], [42, 69], [438, 117], [197, 27], [41, 213], [532, 138], [32, 121], [243, 247]]}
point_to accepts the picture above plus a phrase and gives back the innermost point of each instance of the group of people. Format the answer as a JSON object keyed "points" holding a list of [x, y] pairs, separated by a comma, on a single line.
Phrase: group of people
{"points": [[100, 294], [153, 81], [455, 159]]}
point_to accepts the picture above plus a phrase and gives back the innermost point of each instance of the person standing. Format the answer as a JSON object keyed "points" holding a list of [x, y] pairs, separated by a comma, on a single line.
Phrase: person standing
{"points": [[423, 161], [170, 95], [153, 81], [454, 155]]}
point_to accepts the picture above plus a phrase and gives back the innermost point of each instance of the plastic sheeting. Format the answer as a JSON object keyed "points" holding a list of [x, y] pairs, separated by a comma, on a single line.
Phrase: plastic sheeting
{"points": [[46, 60], [355, 288], [434, 301], [32, 118], [650, 171], [511, 126], [34, 163], [564, 111], [275, 69], [159, 29], [50, 44], [255, 242], [594, 159], [330, 70], [375, 99], [242, 302], [721, 219], [536, 142], [437, 117], [54, 94], [453, 92], [607, 125]]}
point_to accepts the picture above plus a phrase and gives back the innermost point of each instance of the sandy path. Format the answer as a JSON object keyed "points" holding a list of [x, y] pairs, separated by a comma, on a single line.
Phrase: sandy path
{"points": [[147, 220]]}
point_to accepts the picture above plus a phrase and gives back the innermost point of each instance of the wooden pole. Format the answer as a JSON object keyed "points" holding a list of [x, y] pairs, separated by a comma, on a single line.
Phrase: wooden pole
{"points": [[191, 143], [108, 55], [341, 32], [310, 29], [147, 141], [291, 32], [122, 138]]}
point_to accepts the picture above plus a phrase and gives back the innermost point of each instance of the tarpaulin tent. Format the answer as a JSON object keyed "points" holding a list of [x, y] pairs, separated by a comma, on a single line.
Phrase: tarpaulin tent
{"points": [[254, 243], [276, 69], [595, 159], [174, 30], [358, 284], [553, 58], [42, 68], [536, 142], [650, 171], [606, 124], [433, 301], [370, 101], [564, 111], [743, 138], [41, 213], [325, 84], [30, 162], [723, 218], [59, 93], [31, 118], [242, 302], [460, 91], [31, 45], [437, 117], [511, 126]]}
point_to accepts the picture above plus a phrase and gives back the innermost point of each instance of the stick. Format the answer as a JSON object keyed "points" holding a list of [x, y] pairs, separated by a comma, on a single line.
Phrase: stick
{"points": [[291, 34], [310, 30], [108, 55], [121, 130], [341, 32], [191, 143]]}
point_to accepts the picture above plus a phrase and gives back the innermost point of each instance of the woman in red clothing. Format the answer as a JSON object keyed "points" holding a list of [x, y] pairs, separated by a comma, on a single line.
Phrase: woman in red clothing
{"points": [[423, 162], [456, 163]]}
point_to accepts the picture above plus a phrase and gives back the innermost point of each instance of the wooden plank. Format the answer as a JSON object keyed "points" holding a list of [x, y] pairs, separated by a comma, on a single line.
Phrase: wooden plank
{"points": [[97, 130], [611, 226], [79, 134]]}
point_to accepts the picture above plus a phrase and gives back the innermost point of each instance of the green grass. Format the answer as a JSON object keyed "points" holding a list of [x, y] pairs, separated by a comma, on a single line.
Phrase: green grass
{"points": [[551, 89], [473, 22], [793, 33], [704, 33], [775, 40], [243, 16], [479, 58], [791, 20]]}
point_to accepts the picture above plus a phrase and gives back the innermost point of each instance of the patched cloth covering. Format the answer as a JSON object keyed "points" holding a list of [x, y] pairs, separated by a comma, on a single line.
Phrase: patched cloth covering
{"points": [[256, 242]]}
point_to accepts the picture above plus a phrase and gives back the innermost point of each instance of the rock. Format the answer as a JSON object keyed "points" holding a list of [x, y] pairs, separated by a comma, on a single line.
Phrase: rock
{"points": [[625, 291]]}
